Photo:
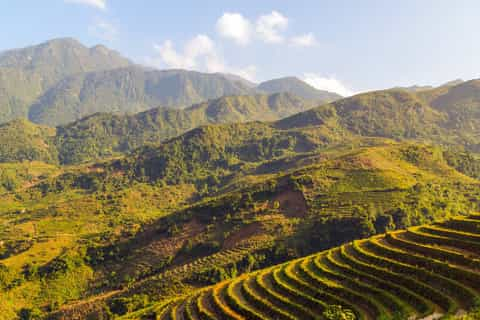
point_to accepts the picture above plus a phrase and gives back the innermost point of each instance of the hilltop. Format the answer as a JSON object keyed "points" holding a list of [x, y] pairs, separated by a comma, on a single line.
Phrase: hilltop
{"points": [[26, 74], [299, 88], [22, 140]]}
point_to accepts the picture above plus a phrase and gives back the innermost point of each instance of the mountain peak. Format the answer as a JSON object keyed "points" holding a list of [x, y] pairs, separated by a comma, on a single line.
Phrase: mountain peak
{"points": [[298, 87]]}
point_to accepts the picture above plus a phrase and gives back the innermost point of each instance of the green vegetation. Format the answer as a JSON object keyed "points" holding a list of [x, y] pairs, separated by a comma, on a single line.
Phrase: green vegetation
{"points": [[390, 276], [242, 222], [104, 135], [207, 212], [24, 141], [393, 114], [129, 90], [26, 74]]}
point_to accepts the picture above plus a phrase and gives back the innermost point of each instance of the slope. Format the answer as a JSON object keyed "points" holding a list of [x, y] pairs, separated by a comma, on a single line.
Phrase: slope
{"points": [[264, 212], [25, 141], [431, 269], [25, 74], [103, 135], [131, 89]]}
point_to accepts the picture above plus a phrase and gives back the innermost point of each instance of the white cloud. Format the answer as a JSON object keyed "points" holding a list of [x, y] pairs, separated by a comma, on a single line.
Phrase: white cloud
{"points": [[270, 27], [198, 47], [305, 40], [100, 4], [103, 30], [329, 84], [199, 53], [234, 26]]}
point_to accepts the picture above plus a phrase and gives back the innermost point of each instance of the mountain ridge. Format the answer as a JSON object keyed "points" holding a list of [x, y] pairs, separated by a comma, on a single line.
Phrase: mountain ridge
{"points": [[61, 80], [296, 86]]}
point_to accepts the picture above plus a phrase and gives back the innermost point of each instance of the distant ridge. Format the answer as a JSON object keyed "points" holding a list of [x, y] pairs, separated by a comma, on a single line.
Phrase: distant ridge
{"points": [[298, 87]]}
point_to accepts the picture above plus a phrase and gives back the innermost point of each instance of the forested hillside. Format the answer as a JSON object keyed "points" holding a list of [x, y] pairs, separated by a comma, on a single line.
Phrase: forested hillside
{"points": [[395, 114], [133, 193]]}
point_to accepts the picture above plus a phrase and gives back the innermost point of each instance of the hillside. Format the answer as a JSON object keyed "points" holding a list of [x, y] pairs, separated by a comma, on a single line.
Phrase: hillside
{"points": [[61, 80], [155, 205], [299, 88], [146, 237], [102, 135], [26, 74], [426, 270], [446, 116], [129, 90], [22, 140], [390, 113]]}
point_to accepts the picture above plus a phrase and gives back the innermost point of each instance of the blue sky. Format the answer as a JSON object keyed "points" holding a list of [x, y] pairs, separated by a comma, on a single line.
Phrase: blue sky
{"points": [[340, 45]]}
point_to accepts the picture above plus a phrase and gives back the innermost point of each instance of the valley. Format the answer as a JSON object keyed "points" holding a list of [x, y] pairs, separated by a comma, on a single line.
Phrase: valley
{"points": [[133, 193]]}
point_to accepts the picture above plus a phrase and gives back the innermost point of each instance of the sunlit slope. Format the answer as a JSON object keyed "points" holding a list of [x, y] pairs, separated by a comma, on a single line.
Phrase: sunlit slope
{"points": [[410, 273]]}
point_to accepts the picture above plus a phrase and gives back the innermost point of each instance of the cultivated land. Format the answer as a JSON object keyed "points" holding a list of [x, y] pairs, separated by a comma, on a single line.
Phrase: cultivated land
{"points": [[413, 273], [176, 194]]}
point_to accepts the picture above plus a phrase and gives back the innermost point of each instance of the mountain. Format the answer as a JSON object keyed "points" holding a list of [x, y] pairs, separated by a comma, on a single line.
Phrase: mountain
{"points": [[415, 88], [129, 90], [389, 113], [237, 78], [103, 134], [452, 83], [299, 88], [61, 80], [221, 200], [419, 88], [462, 104], [26, 74], [446, 116]]}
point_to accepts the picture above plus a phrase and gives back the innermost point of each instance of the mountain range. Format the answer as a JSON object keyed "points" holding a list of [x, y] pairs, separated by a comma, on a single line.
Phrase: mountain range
{"points": [[61, 81], [133, 193], [446, 115]]}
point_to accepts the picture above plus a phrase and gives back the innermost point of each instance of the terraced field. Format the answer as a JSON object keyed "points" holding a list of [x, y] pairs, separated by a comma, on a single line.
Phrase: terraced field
{"points": [[429, 270]]}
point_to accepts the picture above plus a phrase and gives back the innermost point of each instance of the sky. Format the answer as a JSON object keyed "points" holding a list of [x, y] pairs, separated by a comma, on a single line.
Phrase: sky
{"points": [[336, 45]]}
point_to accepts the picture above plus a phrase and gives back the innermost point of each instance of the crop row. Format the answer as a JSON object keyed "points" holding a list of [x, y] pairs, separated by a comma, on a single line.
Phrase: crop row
{"points": [[405, 274]]}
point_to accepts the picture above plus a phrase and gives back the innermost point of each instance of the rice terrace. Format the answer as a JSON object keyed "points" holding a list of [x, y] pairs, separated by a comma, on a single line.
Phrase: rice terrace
{"points": [[190, 160]]}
